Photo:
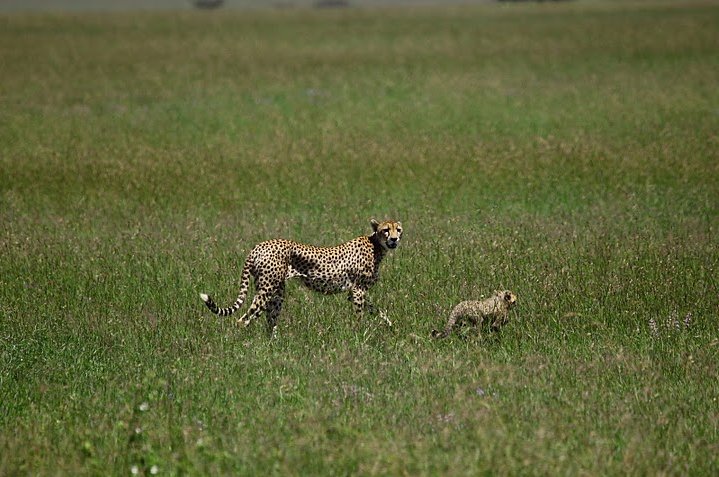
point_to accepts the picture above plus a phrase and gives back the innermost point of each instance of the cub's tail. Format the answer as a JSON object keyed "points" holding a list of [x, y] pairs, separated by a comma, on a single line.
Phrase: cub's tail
{"points": [[244, 286], [440, 334]]}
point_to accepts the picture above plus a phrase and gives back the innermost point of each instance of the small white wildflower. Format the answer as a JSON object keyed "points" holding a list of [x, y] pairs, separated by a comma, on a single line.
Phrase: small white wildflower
{"points": [[445, 417], [672, 321], [653, 326], [138, 430], [154, 470], [688, 320], [144, 407], [134, 470]]}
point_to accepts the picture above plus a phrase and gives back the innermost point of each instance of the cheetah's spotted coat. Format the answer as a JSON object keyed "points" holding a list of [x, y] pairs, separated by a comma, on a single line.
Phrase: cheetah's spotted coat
{"points": [[352, 267]]}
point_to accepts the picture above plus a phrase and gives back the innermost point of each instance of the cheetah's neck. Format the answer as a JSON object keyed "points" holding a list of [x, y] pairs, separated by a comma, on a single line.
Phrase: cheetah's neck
{"points": [[379, 251]]}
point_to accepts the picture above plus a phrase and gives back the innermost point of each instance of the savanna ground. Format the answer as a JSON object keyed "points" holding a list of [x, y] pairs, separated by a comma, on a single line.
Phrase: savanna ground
{"points": [[568, 152]]}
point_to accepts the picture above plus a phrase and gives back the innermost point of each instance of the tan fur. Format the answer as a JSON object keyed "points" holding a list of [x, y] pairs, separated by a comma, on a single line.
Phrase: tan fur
{"points": [[494, 311], [352, 267]]}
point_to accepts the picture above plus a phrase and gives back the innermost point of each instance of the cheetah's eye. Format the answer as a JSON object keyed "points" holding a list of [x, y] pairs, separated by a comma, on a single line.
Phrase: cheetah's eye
{"points": [[385, 231]]}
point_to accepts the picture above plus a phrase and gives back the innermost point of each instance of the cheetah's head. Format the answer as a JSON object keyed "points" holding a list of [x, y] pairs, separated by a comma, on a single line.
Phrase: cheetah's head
{"points": [[508, 297], [388, 232]]}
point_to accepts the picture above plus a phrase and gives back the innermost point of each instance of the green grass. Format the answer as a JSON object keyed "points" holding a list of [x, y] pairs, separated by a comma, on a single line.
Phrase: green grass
{"points": [[568, 152]]}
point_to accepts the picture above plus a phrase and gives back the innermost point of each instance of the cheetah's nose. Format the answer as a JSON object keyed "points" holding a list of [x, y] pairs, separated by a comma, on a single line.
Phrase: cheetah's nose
{"points": [[392, 243]]}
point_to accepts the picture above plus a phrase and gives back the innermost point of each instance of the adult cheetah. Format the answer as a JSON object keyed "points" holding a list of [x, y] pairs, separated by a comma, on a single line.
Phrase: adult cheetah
{"points": [[352, 267]]}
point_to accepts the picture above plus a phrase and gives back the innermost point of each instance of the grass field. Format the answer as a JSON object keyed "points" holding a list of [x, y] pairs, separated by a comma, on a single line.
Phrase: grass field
{"points": [[569, 152]]}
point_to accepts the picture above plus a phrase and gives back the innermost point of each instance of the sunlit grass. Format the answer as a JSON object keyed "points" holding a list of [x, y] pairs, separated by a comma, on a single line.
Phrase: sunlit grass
{"points": [[567, 152]]}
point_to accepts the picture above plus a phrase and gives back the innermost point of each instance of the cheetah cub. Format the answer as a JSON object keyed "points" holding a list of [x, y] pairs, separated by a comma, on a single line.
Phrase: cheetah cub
{"points": [[493, 311]]}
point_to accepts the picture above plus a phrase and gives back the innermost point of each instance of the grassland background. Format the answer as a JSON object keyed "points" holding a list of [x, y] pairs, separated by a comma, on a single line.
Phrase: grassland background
{"points": [[568, 152], [139, 5]]}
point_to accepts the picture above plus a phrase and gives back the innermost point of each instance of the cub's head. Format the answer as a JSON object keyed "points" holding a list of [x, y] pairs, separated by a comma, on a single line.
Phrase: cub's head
{"points": [[508, 297], [388, 232]]}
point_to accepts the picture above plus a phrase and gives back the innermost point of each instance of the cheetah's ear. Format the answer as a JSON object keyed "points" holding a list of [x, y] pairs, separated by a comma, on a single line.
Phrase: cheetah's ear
{"points": [[375, 224]]}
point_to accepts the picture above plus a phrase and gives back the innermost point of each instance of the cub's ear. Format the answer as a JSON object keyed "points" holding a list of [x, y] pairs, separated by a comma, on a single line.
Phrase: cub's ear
{"points": [[507, 296], [375, 224]]}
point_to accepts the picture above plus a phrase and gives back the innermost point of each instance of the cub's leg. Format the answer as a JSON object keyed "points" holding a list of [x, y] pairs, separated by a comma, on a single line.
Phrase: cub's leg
{"points": [[456, 318]]}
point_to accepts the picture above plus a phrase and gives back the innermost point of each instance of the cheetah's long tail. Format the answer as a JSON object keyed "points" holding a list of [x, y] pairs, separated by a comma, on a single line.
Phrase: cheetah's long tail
{"points": [[244, 286]]}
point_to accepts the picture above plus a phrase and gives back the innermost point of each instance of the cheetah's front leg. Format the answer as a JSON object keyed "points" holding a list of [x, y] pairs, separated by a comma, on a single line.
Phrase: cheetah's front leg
{"points": [[274, 307], [358, 297]]}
